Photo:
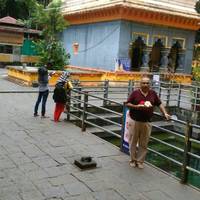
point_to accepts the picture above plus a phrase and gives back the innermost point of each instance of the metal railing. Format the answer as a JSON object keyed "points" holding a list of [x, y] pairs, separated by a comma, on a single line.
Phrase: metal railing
{"points": [[83, 99], [185, 152], [171, 93]]}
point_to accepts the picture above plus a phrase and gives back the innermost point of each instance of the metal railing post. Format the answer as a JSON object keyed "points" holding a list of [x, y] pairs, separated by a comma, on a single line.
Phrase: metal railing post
{"points": [[168, 94], [195, 99], [123, 127], [130, 87], [105, 94], [68, 103], [79, 99], [179, 95], [160, 90], [187, 148], [76, 83], [84, 114]]}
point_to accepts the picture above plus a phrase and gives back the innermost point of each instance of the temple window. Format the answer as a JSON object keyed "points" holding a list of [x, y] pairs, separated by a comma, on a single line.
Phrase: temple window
{"points": [[175, 56], [162, 38], [144, 36], [136, 50], [180, 40], [155, 56]]}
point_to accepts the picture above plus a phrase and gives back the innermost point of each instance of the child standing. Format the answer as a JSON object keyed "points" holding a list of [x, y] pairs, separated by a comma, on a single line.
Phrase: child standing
{"points": [[59, 95]]}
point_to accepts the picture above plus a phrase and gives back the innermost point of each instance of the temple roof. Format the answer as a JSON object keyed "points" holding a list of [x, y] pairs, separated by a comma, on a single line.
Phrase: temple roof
{"points": [[10, 21], [176, 7], [174, 13], [10, 24]]}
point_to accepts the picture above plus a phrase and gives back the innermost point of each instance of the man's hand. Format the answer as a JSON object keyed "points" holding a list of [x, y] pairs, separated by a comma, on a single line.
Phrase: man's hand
{"points": [[142, 107], [167, 116]]}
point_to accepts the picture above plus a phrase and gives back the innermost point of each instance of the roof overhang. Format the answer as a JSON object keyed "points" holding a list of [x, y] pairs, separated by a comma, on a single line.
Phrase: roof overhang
{"points": [[134, 12], [18, 30]]}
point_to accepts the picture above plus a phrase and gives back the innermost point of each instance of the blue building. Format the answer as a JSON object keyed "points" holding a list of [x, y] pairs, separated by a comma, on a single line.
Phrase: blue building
{"points": [[139, 35]]}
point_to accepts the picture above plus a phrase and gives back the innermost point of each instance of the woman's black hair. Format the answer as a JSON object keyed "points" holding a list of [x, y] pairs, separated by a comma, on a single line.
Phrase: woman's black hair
{"points": [[43, 75]]}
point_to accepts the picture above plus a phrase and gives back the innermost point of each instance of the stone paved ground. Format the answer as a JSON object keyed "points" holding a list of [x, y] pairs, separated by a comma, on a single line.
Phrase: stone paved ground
{"points": [[36, 160]]}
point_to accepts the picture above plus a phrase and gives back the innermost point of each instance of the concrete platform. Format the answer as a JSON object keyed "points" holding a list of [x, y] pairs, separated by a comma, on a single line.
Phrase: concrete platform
{"points": [[37, 155]]}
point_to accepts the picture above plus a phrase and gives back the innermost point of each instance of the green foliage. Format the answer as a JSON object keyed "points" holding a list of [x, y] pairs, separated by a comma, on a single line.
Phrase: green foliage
{"points": [[19, 9], [197, 6], [52, 54], [196, 52], [3, 4], [50, 19], [196, 73], [13, 8], [50, 49], [36, 14]]}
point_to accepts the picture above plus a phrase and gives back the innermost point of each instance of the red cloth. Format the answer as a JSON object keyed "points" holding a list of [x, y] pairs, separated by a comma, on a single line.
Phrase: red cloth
{"points": [[59, 108]]}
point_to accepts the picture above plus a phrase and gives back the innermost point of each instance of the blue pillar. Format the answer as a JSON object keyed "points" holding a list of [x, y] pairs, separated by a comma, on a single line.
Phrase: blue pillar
{"points": [[181, 61], [164, 59], [145, 59]]}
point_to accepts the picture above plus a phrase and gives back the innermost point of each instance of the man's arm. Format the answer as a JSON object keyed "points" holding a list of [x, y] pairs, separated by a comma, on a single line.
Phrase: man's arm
{"points": [[163, 110], [137, 107]]}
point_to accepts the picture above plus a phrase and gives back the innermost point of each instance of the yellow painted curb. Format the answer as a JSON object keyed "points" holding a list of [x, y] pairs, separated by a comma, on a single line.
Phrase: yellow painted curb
{"points": [[29, 75]]}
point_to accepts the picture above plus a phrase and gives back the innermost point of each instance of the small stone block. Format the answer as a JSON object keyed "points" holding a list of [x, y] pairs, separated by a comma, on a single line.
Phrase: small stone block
{"points": [[35, 84], [85, 164]]}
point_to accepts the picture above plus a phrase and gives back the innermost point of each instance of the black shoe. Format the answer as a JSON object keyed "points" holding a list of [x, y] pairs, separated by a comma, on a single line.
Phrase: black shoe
{"points": [[35, 115], [44, 116]]}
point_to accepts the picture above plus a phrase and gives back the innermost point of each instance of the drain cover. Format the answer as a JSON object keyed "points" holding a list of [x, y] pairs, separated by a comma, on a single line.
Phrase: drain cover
{"points": [[85, 163]]}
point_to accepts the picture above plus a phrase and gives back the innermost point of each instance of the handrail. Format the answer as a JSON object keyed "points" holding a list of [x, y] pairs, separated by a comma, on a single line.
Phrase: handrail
{"points": [[185, 164], [111, 101], [170, 145], [162, 155]]}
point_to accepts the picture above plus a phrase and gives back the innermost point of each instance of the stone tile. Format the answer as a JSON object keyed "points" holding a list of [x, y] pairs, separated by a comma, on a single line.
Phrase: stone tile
{"points": [[97, 185], [45, 162], [28, 167], [9, 192], [10, 197], [31, 195], [157, 195], [85, 196], [37, 174], [76, 188], [32, 151], [107, 195], [5, 182], [61, 180], [20, 160], [7, 164], [54, 192], [85, 176]]}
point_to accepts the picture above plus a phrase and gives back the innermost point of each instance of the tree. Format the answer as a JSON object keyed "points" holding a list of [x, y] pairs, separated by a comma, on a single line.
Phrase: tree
{"points": [[50, 49], [19, 9], [197, 6]]}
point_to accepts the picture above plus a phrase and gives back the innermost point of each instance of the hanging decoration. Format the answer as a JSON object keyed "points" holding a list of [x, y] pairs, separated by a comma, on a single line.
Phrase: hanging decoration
{"points": [[75, 48]]}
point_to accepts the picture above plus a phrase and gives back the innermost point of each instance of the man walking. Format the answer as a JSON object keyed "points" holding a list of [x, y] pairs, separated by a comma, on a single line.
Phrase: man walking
{"points": [[141, 104]]}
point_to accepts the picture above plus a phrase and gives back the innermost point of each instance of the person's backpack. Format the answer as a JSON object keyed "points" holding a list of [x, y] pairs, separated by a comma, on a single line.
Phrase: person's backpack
{"points": [[69, 85], [59, 94]]}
